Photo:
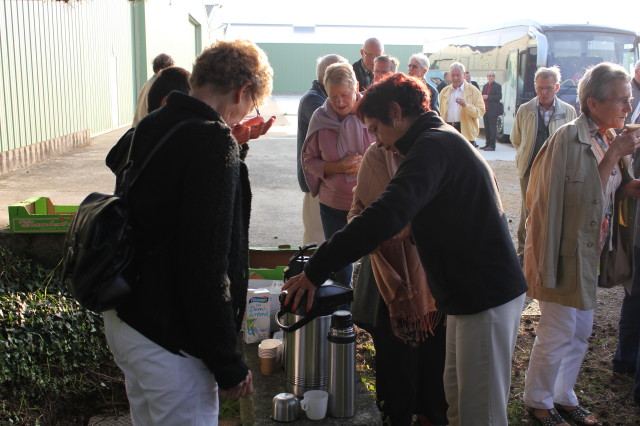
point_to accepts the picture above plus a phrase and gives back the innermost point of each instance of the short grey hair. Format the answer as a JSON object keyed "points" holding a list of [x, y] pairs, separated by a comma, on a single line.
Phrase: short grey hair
{"points": [[457, 65], [388, 60], [340, 74], [422, 60], [596, 83], [325, 61], [544, 72]]}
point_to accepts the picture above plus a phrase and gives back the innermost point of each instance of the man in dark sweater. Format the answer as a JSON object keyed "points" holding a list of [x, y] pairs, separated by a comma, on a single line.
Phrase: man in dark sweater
{"points": [[492, 95], [309, 102], [446, 80], [371, 49]]}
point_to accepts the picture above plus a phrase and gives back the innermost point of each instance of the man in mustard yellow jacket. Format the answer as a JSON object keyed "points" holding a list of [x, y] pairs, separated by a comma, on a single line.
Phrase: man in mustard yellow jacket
{"points": [[461, 104]]}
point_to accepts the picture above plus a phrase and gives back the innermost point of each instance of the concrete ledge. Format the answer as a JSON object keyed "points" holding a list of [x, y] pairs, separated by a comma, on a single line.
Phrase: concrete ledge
{"points": [[45, 249], [257, 409], [27, 155]]}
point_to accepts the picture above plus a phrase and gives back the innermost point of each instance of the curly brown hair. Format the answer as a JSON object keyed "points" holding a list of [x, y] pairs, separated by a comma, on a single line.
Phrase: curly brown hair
{"points": [[227, 65]]}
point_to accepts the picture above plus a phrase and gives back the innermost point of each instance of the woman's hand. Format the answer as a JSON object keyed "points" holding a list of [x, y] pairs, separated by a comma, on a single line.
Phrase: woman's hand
{"points": [[296, 288], [252, 128], [242, 389], [349, 165], [631, 189], [626, 143]]}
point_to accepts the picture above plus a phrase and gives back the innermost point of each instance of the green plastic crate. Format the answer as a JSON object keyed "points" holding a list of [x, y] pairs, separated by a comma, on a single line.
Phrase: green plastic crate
{"points": [[40, 215]]}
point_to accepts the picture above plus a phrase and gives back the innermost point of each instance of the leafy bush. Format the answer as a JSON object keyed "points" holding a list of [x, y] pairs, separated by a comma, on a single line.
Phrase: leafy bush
{"points": [[55, 363]]}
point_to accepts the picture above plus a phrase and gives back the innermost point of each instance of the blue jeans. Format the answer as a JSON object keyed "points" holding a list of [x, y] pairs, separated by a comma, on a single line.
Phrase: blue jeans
{"points": [[334, 220], [627, 360]]}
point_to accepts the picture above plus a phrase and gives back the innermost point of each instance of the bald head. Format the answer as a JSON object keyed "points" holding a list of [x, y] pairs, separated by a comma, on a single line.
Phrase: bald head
{"points": [[371, 49]]}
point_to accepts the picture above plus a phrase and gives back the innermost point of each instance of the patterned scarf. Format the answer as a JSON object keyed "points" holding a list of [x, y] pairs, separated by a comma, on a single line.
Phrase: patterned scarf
{"points": [[396, 265]]}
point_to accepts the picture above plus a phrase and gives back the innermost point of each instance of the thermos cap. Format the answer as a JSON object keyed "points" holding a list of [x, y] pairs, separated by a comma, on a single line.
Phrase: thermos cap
{"points": [[341, 319]]}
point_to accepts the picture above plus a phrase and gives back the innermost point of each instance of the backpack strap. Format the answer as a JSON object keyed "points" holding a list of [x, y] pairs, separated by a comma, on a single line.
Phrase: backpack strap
{"points": [[131, 172]]}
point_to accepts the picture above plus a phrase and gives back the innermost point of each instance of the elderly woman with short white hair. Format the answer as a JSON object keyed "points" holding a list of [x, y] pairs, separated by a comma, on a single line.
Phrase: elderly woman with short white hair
{"points": [[332, 152], [577, 183]]}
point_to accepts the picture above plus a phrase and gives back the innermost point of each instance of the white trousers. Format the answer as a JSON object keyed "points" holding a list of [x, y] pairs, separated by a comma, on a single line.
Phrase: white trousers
{"points": [[162, 388], [477, 373], [557, 354], [311, 222]]}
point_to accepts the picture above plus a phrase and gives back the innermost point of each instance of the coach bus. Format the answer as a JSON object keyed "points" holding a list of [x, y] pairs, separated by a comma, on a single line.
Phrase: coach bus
{"points": [[514, 51]]}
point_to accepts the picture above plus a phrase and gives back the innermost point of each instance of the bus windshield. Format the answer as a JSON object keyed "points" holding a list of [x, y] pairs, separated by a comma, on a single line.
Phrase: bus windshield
{"points": [[575, 51]]}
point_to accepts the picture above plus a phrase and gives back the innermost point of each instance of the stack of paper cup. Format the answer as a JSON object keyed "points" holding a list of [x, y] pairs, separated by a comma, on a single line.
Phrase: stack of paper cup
{"points": [[270, 344], [268, 351]]}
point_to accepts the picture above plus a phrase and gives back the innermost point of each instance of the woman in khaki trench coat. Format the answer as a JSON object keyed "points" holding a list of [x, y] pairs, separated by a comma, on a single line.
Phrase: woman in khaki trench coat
{"points": [[576, 181]]}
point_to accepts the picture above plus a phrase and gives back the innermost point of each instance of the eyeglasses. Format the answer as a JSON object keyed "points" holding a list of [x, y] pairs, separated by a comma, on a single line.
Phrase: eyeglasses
{"points": [[413, 66], [621, 101], [255, 105], [491, 75], [369, 55]]}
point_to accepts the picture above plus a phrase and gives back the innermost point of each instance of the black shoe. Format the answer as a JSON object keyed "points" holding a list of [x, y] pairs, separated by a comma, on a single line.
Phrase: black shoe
{"points": [[624, 368], [488, 148]]}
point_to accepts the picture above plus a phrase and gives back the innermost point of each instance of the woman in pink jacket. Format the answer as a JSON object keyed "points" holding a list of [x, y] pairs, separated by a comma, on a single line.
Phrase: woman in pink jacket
{"points": [[332, 152]]}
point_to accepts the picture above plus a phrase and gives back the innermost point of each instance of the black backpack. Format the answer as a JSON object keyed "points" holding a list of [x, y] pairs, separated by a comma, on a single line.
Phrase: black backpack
{"points": [[98, 266]]}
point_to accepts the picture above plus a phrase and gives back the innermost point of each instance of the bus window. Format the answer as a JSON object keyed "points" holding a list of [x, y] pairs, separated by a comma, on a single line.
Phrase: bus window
{"points": [[526, 70]]}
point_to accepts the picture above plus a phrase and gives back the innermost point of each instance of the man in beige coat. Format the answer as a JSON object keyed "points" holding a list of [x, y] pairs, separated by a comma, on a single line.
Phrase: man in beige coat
{"points": [[535, 121], [461, 104], [159, 63]]}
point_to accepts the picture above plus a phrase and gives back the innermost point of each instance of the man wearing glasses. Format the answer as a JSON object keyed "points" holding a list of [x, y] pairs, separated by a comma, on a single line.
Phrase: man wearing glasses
{"points": [[371, 49], [418, 67], [492, 95], [535, 121]]}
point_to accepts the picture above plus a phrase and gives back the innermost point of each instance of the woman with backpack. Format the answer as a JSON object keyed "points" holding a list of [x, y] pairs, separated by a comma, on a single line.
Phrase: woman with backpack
{"points": [[175, 336]]}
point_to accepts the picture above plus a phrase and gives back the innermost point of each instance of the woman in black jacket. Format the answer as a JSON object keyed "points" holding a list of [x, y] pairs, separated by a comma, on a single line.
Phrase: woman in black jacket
{"points": [[175, 338], [447, 193]]}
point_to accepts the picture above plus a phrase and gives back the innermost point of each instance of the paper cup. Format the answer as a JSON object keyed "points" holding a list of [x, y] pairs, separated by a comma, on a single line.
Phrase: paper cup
{"points": [[268, 352], [272, 347], [270, 343], [267, 365], [314, 404]]}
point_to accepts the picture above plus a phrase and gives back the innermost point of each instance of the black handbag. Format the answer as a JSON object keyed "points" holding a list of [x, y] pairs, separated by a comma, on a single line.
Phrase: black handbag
{"points": [[616, 264], [98, 264]]}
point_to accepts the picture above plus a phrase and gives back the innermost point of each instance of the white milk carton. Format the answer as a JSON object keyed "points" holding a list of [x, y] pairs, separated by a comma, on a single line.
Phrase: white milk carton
{"points": [[256, 322]]}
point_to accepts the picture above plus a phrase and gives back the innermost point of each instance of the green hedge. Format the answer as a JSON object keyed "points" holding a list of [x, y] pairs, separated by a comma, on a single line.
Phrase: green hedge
{"points": [[55, 365]]}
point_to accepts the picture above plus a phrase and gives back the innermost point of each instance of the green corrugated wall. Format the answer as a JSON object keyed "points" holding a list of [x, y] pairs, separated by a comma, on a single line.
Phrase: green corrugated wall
{"points": [[294, 65], [56, 61]]}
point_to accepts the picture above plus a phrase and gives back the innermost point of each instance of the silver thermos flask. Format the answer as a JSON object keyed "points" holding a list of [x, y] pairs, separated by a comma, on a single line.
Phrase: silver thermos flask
{"points": [[342, 365]]}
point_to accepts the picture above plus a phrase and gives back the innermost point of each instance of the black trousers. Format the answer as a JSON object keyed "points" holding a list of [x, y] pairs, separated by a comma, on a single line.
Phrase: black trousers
{"points": [[490, 128], [410, 380]]}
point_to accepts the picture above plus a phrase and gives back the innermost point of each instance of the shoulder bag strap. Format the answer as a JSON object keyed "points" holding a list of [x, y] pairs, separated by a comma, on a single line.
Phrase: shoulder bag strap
{"points": [[132, 173]]}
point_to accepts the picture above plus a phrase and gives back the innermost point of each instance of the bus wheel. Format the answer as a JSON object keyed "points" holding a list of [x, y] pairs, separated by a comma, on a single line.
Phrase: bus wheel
{"points": [[500, 136]]}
